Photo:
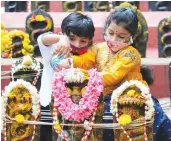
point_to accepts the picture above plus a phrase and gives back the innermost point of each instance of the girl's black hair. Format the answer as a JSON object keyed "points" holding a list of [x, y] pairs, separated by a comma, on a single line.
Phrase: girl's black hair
{"points": [[78, 24], [147, 74], [124, 16]]}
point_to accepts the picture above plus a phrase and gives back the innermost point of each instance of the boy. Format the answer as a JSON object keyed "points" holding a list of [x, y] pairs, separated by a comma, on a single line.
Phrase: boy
{"points": [[78, 32]]}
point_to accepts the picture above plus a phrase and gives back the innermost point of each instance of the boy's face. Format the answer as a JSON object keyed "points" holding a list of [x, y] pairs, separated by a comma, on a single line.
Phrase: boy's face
{"points": [[79, 42]]}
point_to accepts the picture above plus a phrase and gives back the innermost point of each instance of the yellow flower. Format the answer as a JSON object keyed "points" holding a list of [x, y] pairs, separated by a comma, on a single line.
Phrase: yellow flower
{"points": [[85, 74], [69, 90], [144, 82], [80, 12], [24, 52], [31, 55], [6, 40], [57, 126], [40, 18], [19, 118], [29, 48], [20, 86], [16, 33], [28, 63], [6, 44], [131, 93], [2, 48], [26, 36], [2, 26], [83, 90], [124, 119]]}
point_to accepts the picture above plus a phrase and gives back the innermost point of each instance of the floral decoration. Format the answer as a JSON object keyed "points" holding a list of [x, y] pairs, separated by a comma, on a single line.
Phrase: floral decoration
{"points": [[32, 90], [88, 102], [144, 92]]}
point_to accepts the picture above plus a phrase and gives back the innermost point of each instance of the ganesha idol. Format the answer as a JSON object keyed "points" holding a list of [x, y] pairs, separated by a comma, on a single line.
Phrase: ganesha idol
{"points": [[132, 107], [20, 104], [77, 100]]}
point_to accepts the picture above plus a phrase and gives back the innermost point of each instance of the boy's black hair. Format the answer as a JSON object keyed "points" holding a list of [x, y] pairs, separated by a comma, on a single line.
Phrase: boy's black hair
{"points": [[124, 16], [78, 24], [147, 74]]}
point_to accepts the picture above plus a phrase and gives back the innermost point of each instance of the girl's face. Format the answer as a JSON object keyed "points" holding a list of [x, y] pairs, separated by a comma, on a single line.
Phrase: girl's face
{"points": [[117, 37]]}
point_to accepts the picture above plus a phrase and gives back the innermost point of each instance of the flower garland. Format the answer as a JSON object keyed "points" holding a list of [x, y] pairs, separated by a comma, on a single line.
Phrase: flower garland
{"points": [[8, 46], [6, 43], [74, 75], [88, 102], [144, 91], [61, 132], [26, 63], [27, 49]]}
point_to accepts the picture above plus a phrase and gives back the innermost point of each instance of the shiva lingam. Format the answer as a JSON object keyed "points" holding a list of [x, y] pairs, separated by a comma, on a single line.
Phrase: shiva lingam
{"points": [[15, 44], [21, 103], [77, 100], [37, 23], [132, 107], [28, 69], [165, 33]]}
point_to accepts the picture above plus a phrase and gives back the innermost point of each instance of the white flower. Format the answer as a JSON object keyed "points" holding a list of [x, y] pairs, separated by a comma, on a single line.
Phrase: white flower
{"points": [[74, 75], [33, 66]]}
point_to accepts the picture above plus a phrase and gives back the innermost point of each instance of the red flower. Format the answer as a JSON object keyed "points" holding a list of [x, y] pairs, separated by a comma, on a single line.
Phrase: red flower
{"points": [[33, 17]]}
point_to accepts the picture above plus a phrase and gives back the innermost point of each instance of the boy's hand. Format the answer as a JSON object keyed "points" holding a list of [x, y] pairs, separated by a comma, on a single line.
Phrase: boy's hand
{"points": [[61, 67], [64, 64], [63, 47]]}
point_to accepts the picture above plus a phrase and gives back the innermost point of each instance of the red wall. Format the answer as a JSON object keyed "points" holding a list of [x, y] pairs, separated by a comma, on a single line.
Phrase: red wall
{"points": [[160, 88], [2, 3]]}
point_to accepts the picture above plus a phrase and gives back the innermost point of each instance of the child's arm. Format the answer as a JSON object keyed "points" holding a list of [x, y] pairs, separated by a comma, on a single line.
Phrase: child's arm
{"points": [[125, 63], [49, 39], [62, 46]]}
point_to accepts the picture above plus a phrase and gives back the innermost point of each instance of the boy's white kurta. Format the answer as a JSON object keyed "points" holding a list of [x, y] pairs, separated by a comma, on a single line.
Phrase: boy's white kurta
{"points": [[46, 81]]}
